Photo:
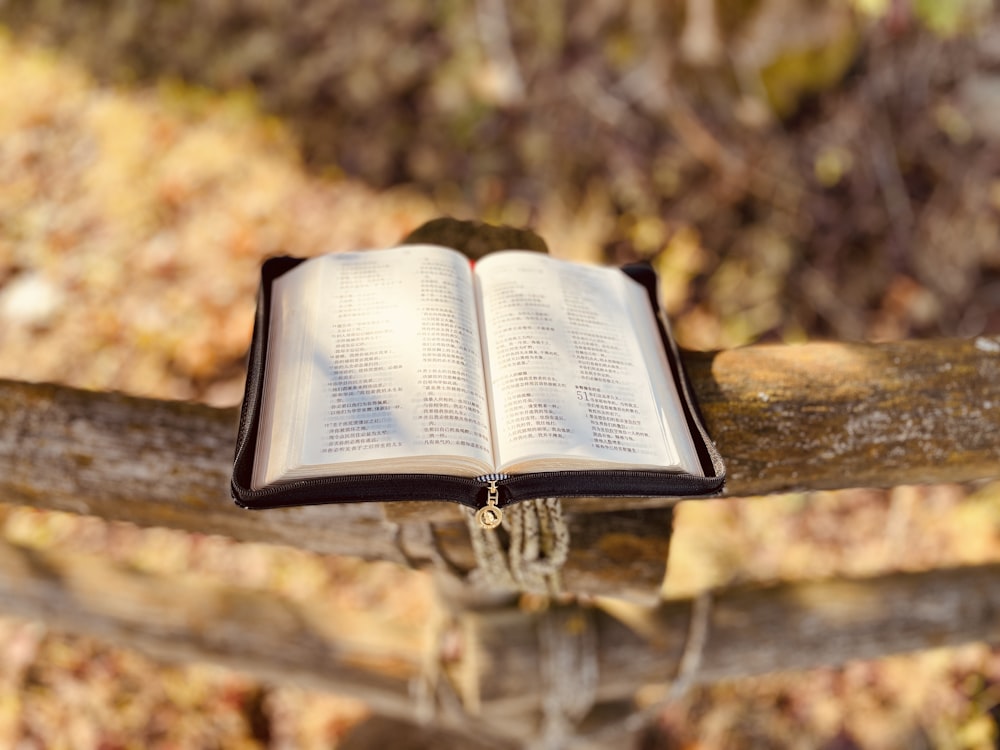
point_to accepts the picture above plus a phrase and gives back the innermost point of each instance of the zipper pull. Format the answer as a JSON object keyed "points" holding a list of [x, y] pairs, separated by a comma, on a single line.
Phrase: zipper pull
{"points": [[490, 515]]}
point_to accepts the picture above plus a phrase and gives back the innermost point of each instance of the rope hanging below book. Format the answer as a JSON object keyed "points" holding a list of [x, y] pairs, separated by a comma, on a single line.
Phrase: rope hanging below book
{"points": [[536, 548]]}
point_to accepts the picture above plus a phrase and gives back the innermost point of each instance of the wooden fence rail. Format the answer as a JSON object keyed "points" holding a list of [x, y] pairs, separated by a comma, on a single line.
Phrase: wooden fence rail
{"points": [[492, 661], [816, 416]]}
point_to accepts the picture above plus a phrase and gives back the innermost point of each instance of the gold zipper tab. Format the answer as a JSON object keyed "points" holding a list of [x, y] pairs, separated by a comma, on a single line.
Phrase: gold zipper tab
{"points": [[490, 515]]}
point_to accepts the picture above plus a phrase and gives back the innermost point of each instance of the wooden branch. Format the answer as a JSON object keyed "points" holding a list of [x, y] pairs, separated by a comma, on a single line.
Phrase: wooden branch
{"points": [[833, 416], [816, 416], [494, 658], [750, 631], [828, 416], [184, 618], [156, 463], [160, 463]]}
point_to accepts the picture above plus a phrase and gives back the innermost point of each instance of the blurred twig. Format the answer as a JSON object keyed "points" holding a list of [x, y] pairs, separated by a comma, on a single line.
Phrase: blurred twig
{"points": [[494, 32], [648, 85], [885, 163], [701, 43]]}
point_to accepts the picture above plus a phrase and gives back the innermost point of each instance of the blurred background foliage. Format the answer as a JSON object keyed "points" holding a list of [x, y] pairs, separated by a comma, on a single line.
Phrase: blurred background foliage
{"points": [[794, 168]]}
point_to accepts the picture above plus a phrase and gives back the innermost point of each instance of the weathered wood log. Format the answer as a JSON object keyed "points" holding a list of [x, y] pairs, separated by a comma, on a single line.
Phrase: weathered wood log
{"points": [[157, 463], [496, 659], [822, 416], [815, 416], [184, 618], [750, 630], [835, 415]]}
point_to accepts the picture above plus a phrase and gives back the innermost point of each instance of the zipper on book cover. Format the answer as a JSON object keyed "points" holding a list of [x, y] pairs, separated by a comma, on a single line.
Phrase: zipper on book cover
{"points": [[490, 516]]}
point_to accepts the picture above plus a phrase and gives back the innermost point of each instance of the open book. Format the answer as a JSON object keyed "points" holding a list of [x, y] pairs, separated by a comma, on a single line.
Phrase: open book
{"points": [[406, 372]]}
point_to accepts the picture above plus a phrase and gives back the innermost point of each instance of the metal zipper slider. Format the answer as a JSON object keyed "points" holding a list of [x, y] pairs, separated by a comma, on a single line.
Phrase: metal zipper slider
{"points": [[490, 515]]}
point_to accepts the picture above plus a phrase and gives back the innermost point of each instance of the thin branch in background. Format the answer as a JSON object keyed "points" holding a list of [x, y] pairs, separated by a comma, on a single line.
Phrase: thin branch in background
{"points": [[494, 32], [646, 86], [885, 164], [701, 43], [598, 100]]}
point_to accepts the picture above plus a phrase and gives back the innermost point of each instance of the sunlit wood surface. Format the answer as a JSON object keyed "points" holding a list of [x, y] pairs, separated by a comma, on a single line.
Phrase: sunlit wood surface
{"points": [[815, 416]]}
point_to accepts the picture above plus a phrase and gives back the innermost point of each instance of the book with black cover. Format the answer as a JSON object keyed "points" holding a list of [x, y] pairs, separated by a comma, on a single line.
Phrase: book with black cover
{"points": [[408, 374]]}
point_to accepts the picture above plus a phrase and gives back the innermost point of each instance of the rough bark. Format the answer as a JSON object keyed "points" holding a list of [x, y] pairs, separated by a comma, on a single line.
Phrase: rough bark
{"points": [[831, 415], [815, 416], [496, 659], [751, 631]]}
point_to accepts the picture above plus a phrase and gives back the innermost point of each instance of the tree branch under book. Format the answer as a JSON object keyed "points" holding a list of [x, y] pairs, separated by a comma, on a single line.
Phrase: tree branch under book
{"points": [[815, 416]]}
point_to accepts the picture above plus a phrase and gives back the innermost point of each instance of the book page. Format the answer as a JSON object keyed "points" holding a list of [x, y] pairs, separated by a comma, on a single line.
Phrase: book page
{"points": [[568, 375], [665, 388], [290, 324], [390, 373]]}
